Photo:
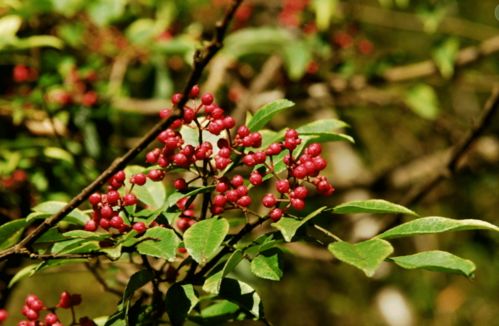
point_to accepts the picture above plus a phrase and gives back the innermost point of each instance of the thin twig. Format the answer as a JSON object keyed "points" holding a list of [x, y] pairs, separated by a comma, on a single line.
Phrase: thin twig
{"points": [[101, 280]]}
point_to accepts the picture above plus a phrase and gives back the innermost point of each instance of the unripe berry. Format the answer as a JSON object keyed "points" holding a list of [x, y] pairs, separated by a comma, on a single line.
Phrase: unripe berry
{"points": [[94, 199], [207, 99], [180, 184], [297, 204], [244, 201], [269, 200], [276, 214], [138, 179], [282, 186], [139, 227], [255, 178], [237, 180]]}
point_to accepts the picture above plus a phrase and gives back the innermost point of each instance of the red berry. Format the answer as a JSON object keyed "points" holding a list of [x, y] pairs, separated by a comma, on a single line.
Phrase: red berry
{"points": [[188, 213], [221, 187], [165, 113], [291, 133], [243, 131], [105, 224], [189, 115], [242, 190], [260, 157], [269, 200], [300, 172], [249, 160], [182, 202], [282, 186], [106, 212], [183, 223], [255, 178], [180, 184], [90, 98], [129, 200], [90, 225], [51, 318], [116, 222], [229, 122], [21, 73], [152, 157], [244, 201], [64, 300], [120, 176], [219, 200], [207, 99], [256, 139], [138, 179], [276, 214], [300, 192], [94, 199], [31, 298], [36, 305], [224, 152], [320, 163], [297, 204], [232, 195], [176, 98], [156, 175], [314, 149], [237, 180], [274, 149], [218, 114], [139, 227], [112, 197], [180, 159], [3, 315], [194, 91], [31, 314]]}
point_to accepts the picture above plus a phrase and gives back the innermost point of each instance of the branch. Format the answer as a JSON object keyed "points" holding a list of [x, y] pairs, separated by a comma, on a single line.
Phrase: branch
{"points": [[201, 59]]}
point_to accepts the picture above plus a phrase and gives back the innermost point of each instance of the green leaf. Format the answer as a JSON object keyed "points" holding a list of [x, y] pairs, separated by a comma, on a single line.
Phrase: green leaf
{"points": [[438, 261], [137, 281], [212, 283], [176, 196], [104, 12], [445, 56], [164, 245], [75, 246], [10, 232], [203, 239], [297, 56], [82, 234], [323, 126], [180, 300], [268, 265], [243, 295], [219, 309], [372, 206], [49, 208], [435, 224], [289, 226], [266, 112], [324, 11], [423, 101], [9, 25], [260, 40], [153, 194], [27, 271], [366, 255]]}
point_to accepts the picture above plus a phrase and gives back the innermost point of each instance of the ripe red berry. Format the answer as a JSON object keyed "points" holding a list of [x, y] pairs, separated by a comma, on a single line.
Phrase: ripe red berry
{"points": [[237, 180], [249, 160], [112, 197], [105, 224], [229, 122], [297, 204], [139, 227], [221, 187], [224, 152], [31, 314], [320, 163], [269, 200], [165, 113], [256, 139], [106, 212], [183, 223], [94, 199], [180, 184], [244, 201], [51, 319], [64, 300], [21, 73], [243, 131], [314, 149], [291, 133], [219, 200], [274, 149], [282, 186], [255, 178], [116, 222], [3, 315], [207, 99], [300, 192], [242, 190], [176, 98], [138, 179], [276, 214], [232, 195], [90, 98], [300, 172], [189, 115], [129, 200], [194, 91], [156, 175], [260, 157], [180, 159], [90, 225]]}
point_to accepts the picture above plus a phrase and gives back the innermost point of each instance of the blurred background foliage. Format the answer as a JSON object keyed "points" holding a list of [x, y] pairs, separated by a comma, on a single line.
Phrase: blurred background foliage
{"points": [[80, 81]]}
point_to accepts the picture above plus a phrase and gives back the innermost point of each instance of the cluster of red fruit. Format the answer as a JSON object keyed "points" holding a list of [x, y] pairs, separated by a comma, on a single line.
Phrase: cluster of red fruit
{"points": [[17, 178], [77, 90], [107, 206], [33, 307], [211, 162], [345, 39], [291, 12], [23, 73]]}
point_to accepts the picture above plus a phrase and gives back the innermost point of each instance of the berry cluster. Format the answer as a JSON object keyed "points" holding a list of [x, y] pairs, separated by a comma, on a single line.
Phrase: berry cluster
{"points": [[78, 89], [23, 73], [211, 162], [34, 307]]}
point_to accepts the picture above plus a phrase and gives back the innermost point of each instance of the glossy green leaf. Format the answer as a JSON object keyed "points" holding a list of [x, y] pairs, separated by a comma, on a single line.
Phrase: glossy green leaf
{"points": [[323, 126], [203, 239], [180, 300], [153, 194], [438, 261], [163, 243], [288, 226], [82, 234], [436, 224], [75, 246], [371, 206], [366, 255], [243, 295], [24, 272], [266, 112], [213, 282], [10, 232], [220, 308], [268, 265], [423, 101], [49, 208], [137, 280]]}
